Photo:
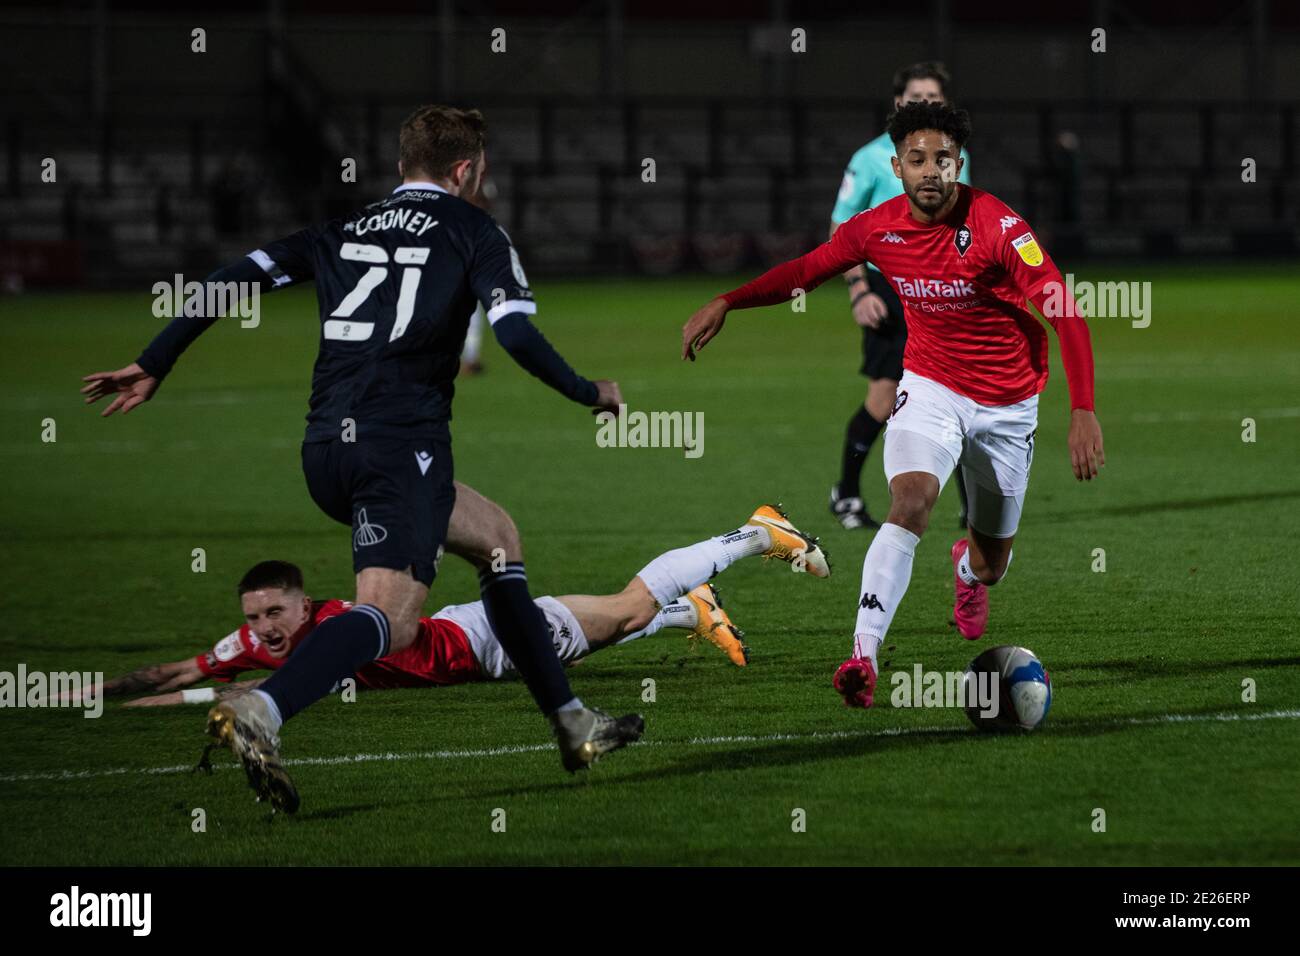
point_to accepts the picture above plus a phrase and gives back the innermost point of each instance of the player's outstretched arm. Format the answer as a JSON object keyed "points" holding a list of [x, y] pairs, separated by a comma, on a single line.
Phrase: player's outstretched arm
{"points": [[701, 328], [136, 383], [179, 697], [779, 284], [130, 386], [155, 677], [530, 350]]}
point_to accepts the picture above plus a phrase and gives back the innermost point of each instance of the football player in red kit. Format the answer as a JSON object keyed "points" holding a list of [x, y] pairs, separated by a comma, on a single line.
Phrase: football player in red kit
{"points": [[458, 645], [963, 264]]}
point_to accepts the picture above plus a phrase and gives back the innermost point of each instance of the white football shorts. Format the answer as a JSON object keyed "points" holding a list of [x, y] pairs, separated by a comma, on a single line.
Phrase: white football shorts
{"points": [[934, 429], [566, 634]]}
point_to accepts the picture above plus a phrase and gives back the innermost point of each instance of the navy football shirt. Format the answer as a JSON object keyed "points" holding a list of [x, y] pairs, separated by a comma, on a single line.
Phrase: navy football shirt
{"points": [[397, 283]]}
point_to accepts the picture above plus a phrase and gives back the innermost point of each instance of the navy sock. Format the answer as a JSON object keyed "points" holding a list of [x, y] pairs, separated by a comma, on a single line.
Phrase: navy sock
{"points": [[862, 432], [333, 651], [520, 627]]}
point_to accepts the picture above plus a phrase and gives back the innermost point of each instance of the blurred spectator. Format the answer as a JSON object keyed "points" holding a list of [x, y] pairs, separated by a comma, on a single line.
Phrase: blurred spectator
{"points": [[164, 215], [228, 192], [74, 219], [1067, 171]]}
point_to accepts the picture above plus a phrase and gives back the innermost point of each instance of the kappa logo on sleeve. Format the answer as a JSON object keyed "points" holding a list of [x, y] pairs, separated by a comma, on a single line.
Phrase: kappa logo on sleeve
{"points": [[1006, 222], [1027, 247]]}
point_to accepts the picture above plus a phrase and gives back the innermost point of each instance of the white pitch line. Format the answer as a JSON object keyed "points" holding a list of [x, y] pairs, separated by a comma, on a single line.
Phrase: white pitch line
{"points": [[1164, 418], [692, 742], [110, 447]]}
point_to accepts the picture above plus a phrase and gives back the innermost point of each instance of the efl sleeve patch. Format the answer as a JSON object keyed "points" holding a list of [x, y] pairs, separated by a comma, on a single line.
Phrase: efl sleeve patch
{"points": [[497, 276], [1026, 247], [228, 648]]}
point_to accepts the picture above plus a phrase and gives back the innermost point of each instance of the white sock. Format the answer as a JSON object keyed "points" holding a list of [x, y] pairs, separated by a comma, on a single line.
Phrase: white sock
{"points": [[677, 613], [574, 704], [966, 574], [745, 542], [680, 571], [963, 568], [276, 720], [865, 645], [886, 571]]}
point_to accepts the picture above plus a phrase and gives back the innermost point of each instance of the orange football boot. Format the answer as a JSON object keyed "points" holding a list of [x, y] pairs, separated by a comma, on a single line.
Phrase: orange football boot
{"points": [[789, 544], [713, 623]]}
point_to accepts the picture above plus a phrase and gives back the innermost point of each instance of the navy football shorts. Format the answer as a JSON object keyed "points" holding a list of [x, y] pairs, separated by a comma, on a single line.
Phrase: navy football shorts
{"points": [[395, 493]]}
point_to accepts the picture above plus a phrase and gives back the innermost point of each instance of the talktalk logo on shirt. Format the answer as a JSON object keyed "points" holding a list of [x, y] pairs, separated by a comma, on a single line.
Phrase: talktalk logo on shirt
{"points": [[934, 288]]}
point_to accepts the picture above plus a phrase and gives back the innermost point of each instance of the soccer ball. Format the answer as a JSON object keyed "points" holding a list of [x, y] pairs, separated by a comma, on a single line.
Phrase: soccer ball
{"points": [[1007, 688]]}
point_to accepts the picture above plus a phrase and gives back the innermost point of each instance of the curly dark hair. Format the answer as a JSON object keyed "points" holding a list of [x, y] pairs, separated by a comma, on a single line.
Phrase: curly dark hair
{"points": [[911, 117]]}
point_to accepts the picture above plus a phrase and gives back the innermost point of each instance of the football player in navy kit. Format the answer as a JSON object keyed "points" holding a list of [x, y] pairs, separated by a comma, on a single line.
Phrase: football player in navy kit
{"points": [[396, 284]]}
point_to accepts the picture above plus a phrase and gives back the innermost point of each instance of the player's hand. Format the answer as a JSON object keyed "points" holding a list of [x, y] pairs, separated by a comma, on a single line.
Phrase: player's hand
{"points": [[1086, 454], [870, 311], [130, 386], [702, 327], [608, 397]]}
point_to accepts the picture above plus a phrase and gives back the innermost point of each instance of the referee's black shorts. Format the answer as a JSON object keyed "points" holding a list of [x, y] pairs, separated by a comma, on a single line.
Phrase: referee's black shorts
{"points": [[395, 493], [882, 349]]}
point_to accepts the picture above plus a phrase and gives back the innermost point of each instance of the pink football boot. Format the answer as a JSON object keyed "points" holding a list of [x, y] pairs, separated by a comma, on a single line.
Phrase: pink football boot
{"points": [[856, 682], [970, 611]]}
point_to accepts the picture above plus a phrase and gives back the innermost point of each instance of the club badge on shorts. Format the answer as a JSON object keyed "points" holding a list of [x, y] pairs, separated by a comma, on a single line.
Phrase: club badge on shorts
{"points": [[366, 533]]}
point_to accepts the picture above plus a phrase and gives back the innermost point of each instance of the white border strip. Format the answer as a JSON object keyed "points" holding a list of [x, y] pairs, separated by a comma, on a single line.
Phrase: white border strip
{"points": [[270, 267], [508, 307], [1229, 717]]}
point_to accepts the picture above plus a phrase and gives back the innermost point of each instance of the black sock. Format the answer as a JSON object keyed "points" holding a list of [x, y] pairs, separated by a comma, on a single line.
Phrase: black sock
{"points": [[335, 649], [862, 432], [520, 628]]}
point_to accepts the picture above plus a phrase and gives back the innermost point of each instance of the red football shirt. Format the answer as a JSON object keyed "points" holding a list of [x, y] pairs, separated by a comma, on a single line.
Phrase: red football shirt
{"points": [[441, 654], [963, 282]]}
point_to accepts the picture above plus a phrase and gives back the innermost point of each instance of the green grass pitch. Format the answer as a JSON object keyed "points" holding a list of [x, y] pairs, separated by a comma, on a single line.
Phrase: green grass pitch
{"points": [[1148, 659]]}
